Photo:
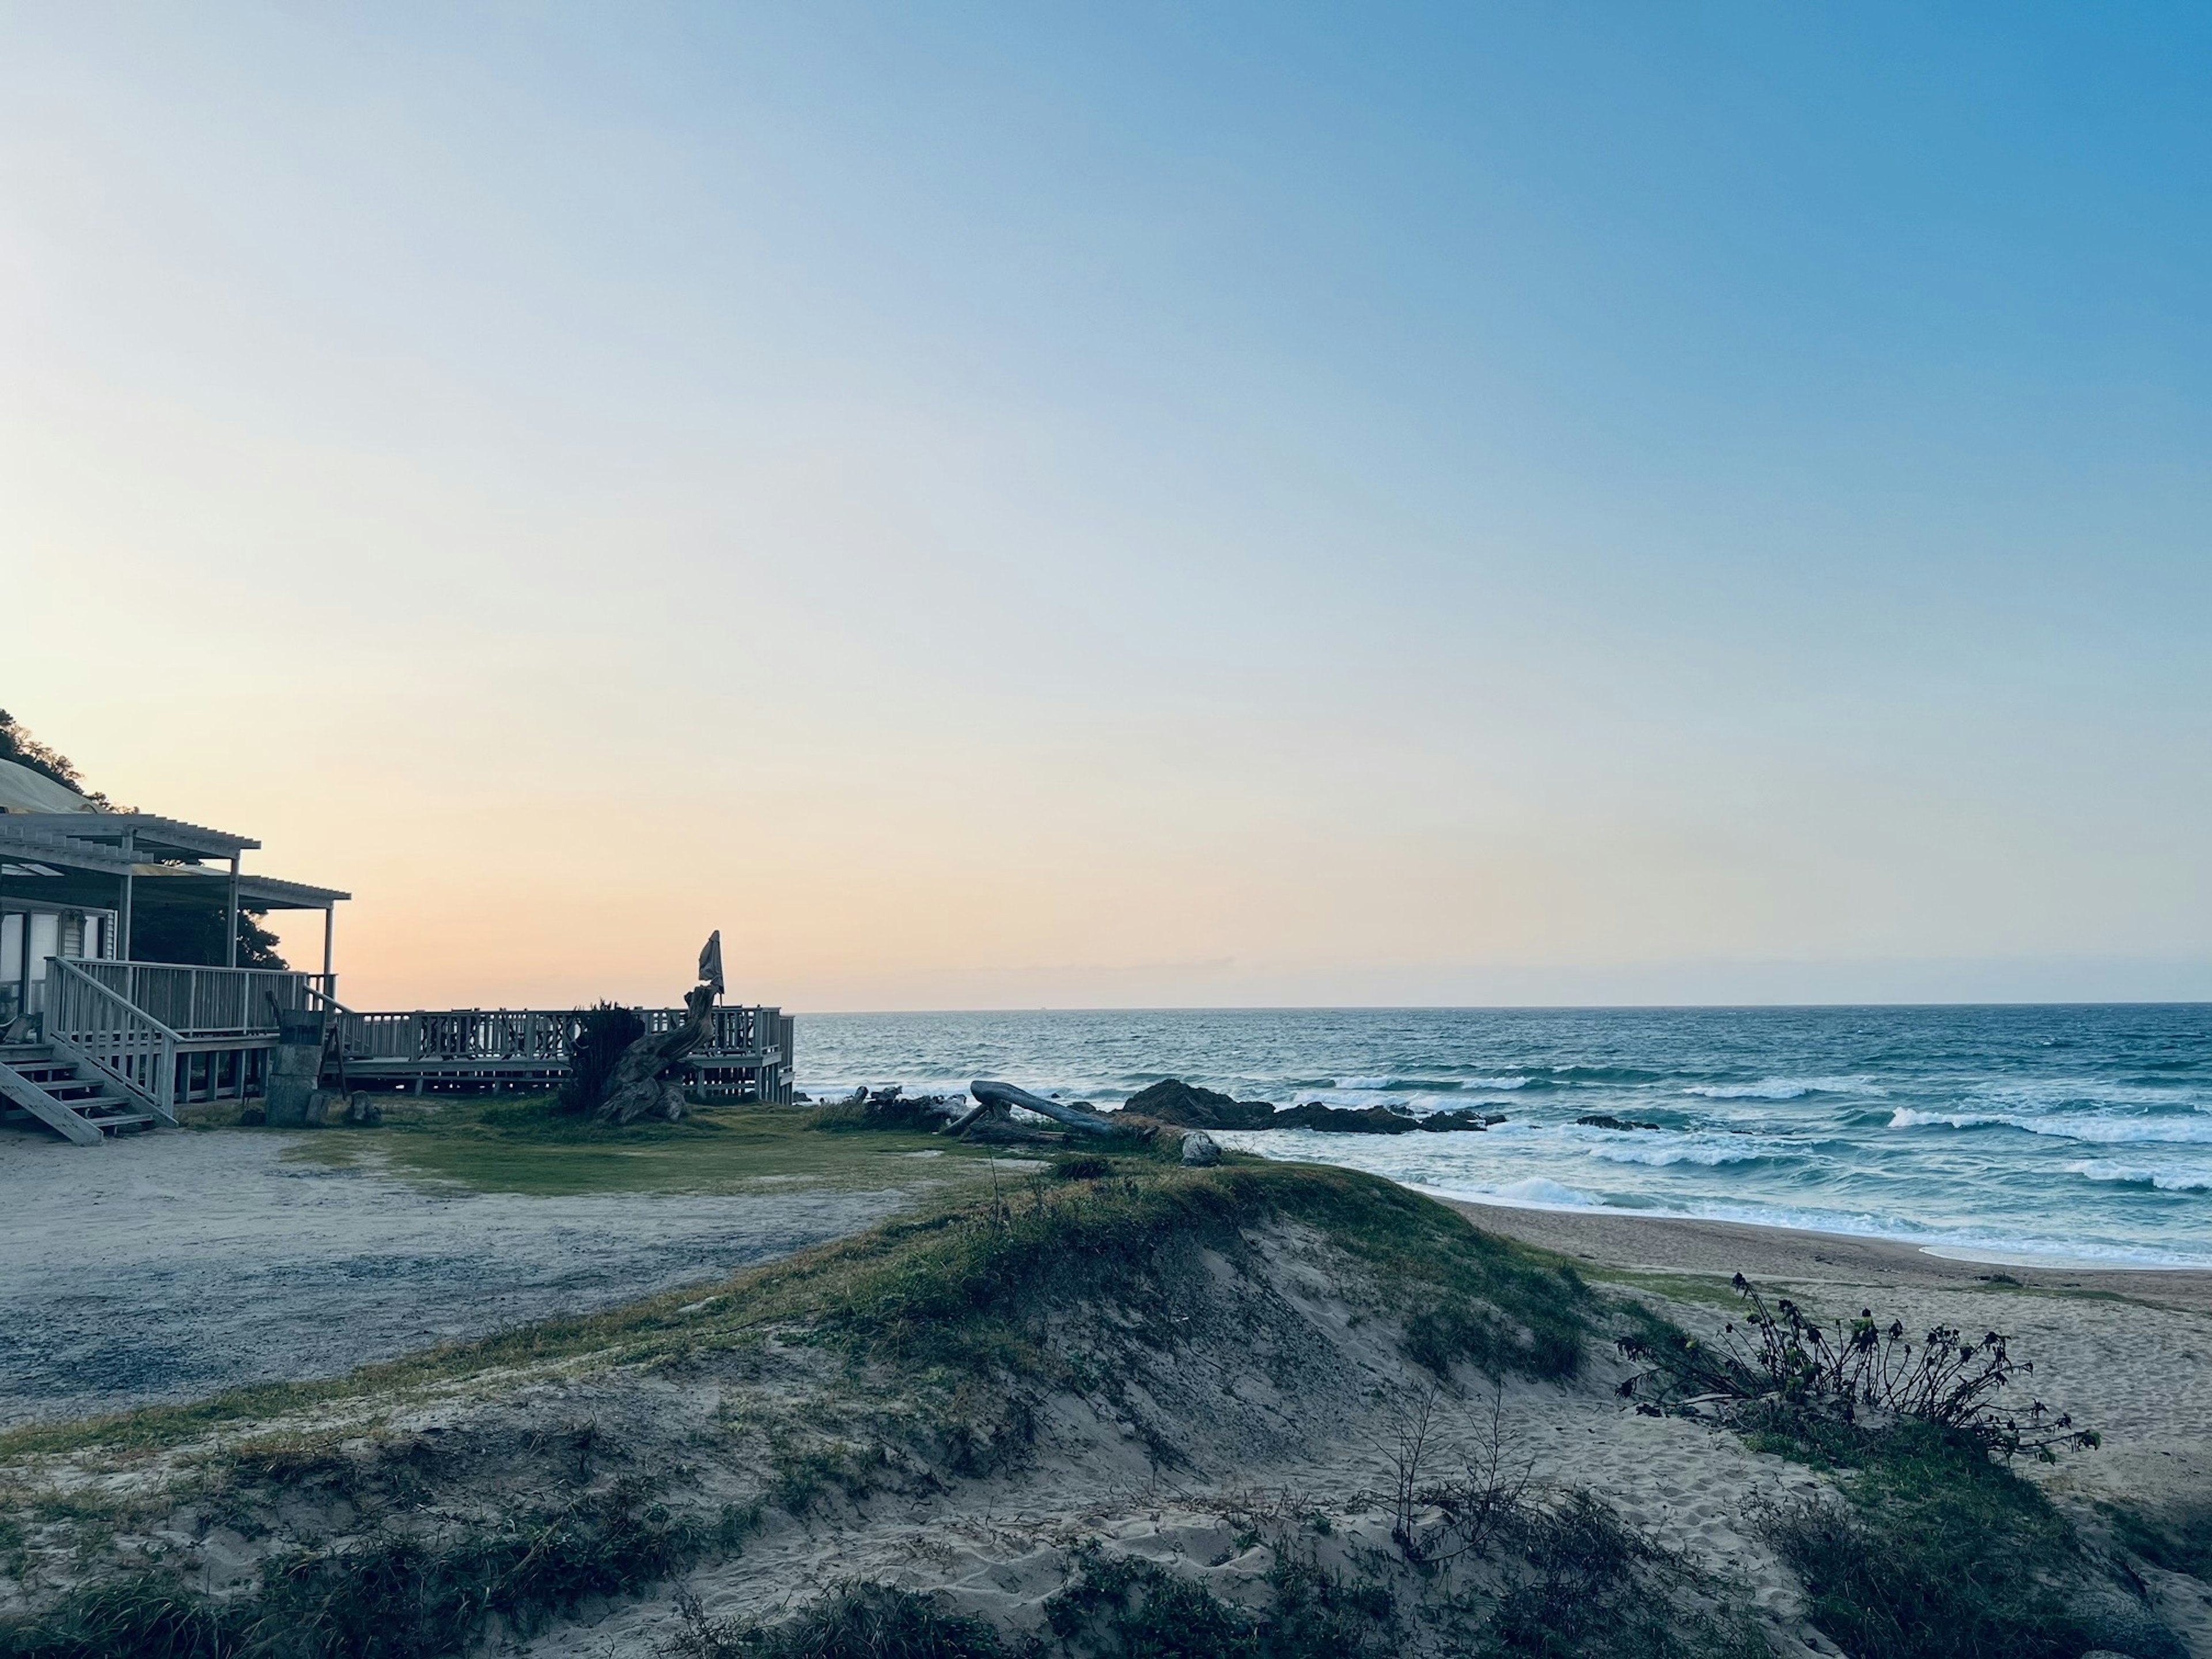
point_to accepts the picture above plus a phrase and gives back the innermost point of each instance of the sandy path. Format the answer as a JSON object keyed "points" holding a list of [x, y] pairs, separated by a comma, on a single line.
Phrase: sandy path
{"points": [[170, 1266]]}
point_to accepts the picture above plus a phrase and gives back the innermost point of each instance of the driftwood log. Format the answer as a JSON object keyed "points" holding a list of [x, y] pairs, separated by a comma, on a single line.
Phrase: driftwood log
{"points": [[635, 1088], [1005, 1095]]}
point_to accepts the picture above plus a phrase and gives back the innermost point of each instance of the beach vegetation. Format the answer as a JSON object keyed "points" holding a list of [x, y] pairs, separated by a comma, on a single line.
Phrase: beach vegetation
{"points": [[1931, 1545], [1779, 1372], [603, 1034], [856, 1620], [1123, 1607], [392, 1594], [1582, 1584], [900, 1115], [2178, 1540], [1933, 1551]]}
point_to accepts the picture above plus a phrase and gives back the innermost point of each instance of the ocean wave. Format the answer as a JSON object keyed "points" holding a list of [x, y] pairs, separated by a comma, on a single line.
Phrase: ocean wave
{"points": [[1546, 1076], [1788, 1088], [1911, 1117], [2045, 1094], [2167, 1180], [1535, 1189], [2195, 1130], [1659, 1157]]}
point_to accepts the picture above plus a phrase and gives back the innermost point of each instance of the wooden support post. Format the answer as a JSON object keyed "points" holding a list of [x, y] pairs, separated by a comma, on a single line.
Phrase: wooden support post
{"points": [[230, 929], [330, 920], [130, 860]]}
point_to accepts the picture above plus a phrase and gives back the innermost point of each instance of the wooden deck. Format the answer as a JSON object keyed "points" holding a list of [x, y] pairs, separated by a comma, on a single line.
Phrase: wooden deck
{"points": [[746, 1055], [168, 1034]]}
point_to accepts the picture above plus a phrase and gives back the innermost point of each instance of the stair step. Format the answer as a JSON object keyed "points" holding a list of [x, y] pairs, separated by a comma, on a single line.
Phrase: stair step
{"points": [[130, 1121]]}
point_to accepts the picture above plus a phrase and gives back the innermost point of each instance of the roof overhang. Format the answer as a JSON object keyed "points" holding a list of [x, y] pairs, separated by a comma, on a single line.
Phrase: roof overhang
{"points": [[71, 874], [21, 844], [151, 835]]}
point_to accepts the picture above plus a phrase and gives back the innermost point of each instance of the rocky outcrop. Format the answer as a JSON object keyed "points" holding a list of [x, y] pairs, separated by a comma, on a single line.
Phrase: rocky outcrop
{"points": [[1174, 1100], [1377, 1121], [1607, 1120]]}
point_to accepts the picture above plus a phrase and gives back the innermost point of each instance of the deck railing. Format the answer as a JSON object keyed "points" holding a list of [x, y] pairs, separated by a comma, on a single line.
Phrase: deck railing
{"points": [[86, 1018], [195, 1003], [529, 1034], [460, 1033]]}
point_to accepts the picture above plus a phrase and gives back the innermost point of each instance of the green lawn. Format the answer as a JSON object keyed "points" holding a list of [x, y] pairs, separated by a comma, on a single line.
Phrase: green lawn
{"points": [[520, 1145]]}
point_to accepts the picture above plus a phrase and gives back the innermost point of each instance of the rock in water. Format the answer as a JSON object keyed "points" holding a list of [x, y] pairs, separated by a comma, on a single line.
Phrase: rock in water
{"points": [[1176, 1102], [1607, 1120], [1442, 1123], [1341, 1121], [1199, 1150]]}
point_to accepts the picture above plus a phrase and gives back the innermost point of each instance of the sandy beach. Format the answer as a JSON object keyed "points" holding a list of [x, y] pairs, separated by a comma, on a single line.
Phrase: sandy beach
{"points": [[1782, 1255]]}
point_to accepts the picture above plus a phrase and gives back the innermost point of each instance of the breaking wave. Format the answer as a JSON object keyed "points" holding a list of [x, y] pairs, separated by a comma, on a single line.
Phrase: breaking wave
{"points": [[1659, 1157], [2165, 1180], [2193, 1130], [1787, 1088]]}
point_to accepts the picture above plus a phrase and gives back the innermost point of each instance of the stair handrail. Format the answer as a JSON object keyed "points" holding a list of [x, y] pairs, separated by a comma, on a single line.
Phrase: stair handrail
{"points": [[94, 1025], [334, 1042]]}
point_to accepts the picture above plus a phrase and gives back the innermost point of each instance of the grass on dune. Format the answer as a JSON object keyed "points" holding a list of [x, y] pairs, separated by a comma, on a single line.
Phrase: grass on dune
{"points": [[959, 1286], [1933, 1551], [961, 1290]]}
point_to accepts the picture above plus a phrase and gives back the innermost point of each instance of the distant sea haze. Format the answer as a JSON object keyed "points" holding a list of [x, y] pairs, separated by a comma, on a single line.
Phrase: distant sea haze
{"points": [[2079, 1133]]}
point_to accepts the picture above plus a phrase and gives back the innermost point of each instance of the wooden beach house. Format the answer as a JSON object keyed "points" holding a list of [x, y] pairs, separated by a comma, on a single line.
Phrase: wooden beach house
{"points": [[96, 1037]]}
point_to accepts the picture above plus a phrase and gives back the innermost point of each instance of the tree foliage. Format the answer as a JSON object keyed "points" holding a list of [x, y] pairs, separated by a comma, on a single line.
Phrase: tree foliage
{"points": [[17, 744]]}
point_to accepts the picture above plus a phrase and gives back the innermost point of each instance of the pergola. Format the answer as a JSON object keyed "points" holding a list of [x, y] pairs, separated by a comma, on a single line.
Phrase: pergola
{"points": [[126, 861]]}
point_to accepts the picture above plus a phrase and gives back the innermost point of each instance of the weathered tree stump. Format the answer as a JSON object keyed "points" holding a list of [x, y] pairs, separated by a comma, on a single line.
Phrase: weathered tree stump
{"points": [[635, 1088]]}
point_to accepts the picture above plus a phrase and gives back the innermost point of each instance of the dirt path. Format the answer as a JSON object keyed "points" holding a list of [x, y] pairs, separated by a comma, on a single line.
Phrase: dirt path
{"points": [[171, 1266]]}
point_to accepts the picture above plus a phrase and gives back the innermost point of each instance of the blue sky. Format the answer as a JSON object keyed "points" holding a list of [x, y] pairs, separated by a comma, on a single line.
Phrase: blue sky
{"points": [[1272, 504]]}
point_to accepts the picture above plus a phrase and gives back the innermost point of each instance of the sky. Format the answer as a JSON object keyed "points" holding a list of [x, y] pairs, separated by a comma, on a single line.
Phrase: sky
{"points": [[1131, 505]]}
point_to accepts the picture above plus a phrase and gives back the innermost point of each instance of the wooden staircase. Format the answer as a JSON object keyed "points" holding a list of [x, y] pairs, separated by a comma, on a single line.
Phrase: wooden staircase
{"points": [[68, 1097]]}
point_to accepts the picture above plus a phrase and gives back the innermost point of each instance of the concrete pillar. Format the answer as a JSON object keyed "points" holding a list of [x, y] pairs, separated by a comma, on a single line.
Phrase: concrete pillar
{"points": [[295, 1064]]}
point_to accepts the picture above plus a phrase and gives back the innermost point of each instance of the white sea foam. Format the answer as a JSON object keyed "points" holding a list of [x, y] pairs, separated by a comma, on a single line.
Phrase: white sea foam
{"points": [[1911, 1117], [2166, 1178], [1661, 1156], [2195, 1130], [1787, 1088], [1535, 1189]]}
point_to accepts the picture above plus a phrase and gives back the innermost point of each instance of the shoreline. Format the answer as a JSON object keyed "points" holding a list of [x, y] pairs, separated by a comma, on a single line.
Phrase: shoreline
{"points": [[1680, 1244]]}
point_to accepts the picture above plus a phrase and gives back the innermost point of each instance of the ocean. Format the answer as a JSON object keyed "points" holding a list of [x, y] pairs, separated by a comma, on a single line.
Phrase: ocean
{"points": [[2031, 1133]]}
